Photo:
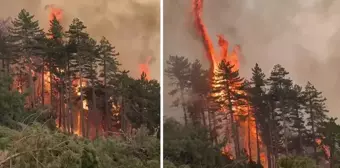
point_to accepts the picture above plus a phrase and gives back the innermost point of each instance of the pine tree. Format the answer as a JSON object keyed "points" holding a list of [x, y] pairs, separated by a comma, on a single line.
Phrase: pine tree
{"points": [[5, 48], [199, 88], [153, 106], [297, 101], [215, 118], [91, 55], [141, 102], [257, 96], [57, 63], [280, 87], [124, 88], [109, 72], [229, 87], [178, 71], [315, 107], [76, 37], [25, 33]]}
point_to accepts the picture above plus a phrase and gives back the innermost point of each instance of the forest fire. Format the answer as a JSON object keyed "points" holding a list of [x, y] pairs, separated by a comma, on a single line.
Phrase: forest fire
{"points": [[86, 122], [248, 127]]}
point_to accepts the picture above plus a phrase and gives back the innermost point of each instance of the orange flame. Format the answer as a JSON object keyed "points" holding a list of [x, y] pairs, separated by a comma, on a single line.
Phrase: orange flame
{"points": [[77, 128], [233, 59], [197, 6], [144, 67], [57, 12]]}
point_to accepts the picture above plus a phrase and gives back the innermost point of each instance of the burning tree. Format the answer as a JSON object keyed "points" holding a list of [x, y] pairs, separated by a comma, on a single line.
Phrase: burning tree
{"points": [[227, 87]]}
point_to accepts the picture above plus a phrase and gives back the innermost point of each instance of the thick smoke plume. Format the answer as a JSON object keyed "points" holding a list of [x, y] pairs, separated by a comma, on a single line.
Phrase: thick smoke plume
{"points": [[302, 35], [130, 25]]}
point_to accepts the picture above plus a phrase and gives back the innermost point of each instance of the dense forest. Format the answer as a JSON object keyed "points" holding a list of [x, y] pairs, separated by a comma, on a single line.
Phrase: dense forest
{"points": [[229, 121], [66, 101]]}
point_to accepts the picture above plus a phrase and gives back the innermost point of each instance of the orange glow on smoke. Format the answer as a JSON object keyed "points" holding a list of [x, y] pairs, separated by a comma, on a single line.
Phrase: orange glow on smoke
{"points": [[234, 60], [57, 12], [144, 67]]}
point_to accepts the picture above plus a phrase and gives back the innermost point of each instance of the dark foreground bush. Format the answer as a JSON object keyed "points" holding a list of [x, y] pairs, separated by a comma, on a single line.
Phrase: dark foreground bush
{"points": [[39, 147]]}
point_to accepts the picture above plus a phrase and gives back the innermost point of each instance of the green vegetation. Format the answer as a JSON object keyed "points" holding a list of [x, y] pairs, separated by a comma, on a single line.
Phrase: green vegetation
{"points": [[37, 146]]}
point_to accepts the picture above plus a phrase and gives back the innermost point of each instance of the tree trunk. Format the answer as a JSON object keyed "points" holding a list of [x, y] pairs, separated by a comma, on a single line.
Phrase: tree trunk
{"points": [[234, 125], [300, 150], [51, 88], [202, 113], [21, 83], [284, 112], [332, 151], [313, 135], [270, 154], [8, 73], [285, 135], [63, 113], [30, 84], [106, 106], [183, 106], [43, 83], [8, 67], [71, 121], [122, 116], [257, 141], [94, 109], [60, 112], [209, 126], [3, 74], [213, 115], [70, 91], [269, 157], [249, 138], [107, 116], [81, 101]]}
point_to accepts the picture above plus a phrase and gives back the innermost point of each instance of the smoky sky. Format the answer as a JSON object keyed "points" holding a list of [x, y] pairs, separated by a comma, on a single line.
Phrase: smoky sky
{"points": [[301, 35], [132, 26]]}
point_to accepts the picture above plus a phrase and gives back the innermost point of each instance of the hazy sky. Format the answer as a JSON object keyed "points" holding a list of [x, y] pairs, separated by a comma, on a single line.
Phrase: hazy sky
{"points": [[130, 25], [301, 35]]}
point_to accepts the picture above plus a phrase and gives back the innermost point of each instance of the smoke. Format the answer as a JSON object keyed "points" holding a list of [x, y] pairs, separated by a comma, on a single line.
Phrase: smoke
{"points": [[132, 26], [301, 35]]}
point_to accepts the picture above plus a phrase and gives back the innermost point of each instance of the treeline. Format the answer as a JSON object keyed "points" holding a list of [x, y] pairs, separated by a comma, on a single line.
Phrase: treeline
{"points": [[290, 120], [61, 69]]}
